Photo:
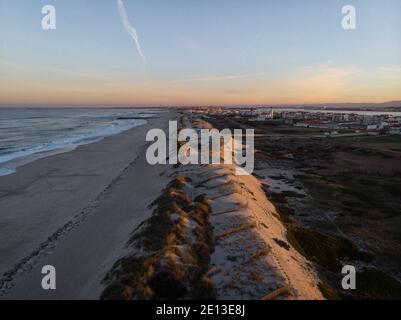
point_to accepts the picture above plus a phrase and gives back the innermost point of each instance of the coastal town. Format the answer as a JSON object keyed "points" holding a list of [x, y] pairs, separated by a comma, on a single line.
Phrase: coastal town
{"points": [[330, 122]]}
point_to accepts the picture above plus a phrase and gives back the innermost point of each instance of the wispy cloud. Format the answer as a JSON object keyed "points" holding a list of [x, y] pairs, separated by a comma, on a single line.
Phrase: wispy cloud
{"points": [[216, 78], [25, 71], [130, 29]]}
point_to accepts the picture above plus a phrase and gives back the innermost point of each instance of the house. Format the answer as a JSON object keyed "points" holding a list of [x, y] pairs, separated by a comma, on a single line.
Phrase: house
{"points": [[395, 129]]}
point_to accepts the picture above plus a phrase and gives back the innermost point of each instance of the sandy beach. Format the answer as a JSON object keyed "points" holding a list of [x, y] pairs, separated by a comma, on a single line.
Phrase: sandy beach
{"points": [[75, 211]]}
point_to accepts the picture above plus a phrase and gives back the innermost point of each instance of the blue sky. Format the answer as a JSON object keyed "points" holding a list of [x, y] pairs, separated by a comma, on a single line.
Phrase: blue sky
{"points": [[200, 52]]}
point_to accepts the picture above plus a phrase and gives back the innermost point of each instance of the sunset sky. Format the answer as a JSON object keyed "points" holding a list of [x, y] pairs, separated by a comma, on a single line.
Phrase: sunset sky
{"points": [[225, 52]]}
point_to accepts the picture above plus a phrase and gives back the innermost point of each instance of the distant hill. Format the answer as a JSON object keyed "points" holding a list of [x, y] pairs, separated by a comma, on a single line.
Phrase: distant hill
{"points": [[384, 106]]}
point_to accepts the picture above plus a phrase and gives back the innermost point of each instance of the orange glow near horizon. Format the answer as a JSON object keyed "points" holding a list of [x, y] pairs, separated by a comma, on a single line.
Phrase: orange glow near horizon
{"points": [[323, 83]]}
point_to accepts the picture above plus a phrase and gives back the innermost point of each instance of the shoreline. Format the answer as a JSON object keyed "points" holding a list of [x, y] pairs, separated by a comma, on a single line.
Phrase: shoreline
{"points": [[11, 166]]}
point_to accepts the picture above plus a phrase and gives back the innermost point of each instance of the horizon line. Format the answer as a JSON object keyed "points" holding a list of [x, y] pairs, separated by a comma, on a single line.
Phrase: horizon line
{"points": [[105, 106]]}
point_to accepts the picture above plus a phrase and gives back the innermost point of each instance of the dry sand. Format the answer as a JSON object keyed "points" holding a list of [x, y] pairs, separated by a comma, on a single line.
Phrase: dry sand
{"points": [[252, 258]]}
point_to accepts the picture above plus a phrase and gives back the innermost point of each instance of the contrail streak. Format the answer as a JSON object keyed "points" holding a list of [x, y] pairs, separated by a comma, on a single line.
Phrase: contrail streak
{"points": [[130, 29]]}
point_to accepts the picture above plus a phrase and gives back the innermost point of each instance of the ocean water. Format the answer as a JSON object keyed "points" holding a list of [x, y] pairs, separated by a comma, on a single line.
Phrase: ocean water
{"points": [[34, 133]]}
